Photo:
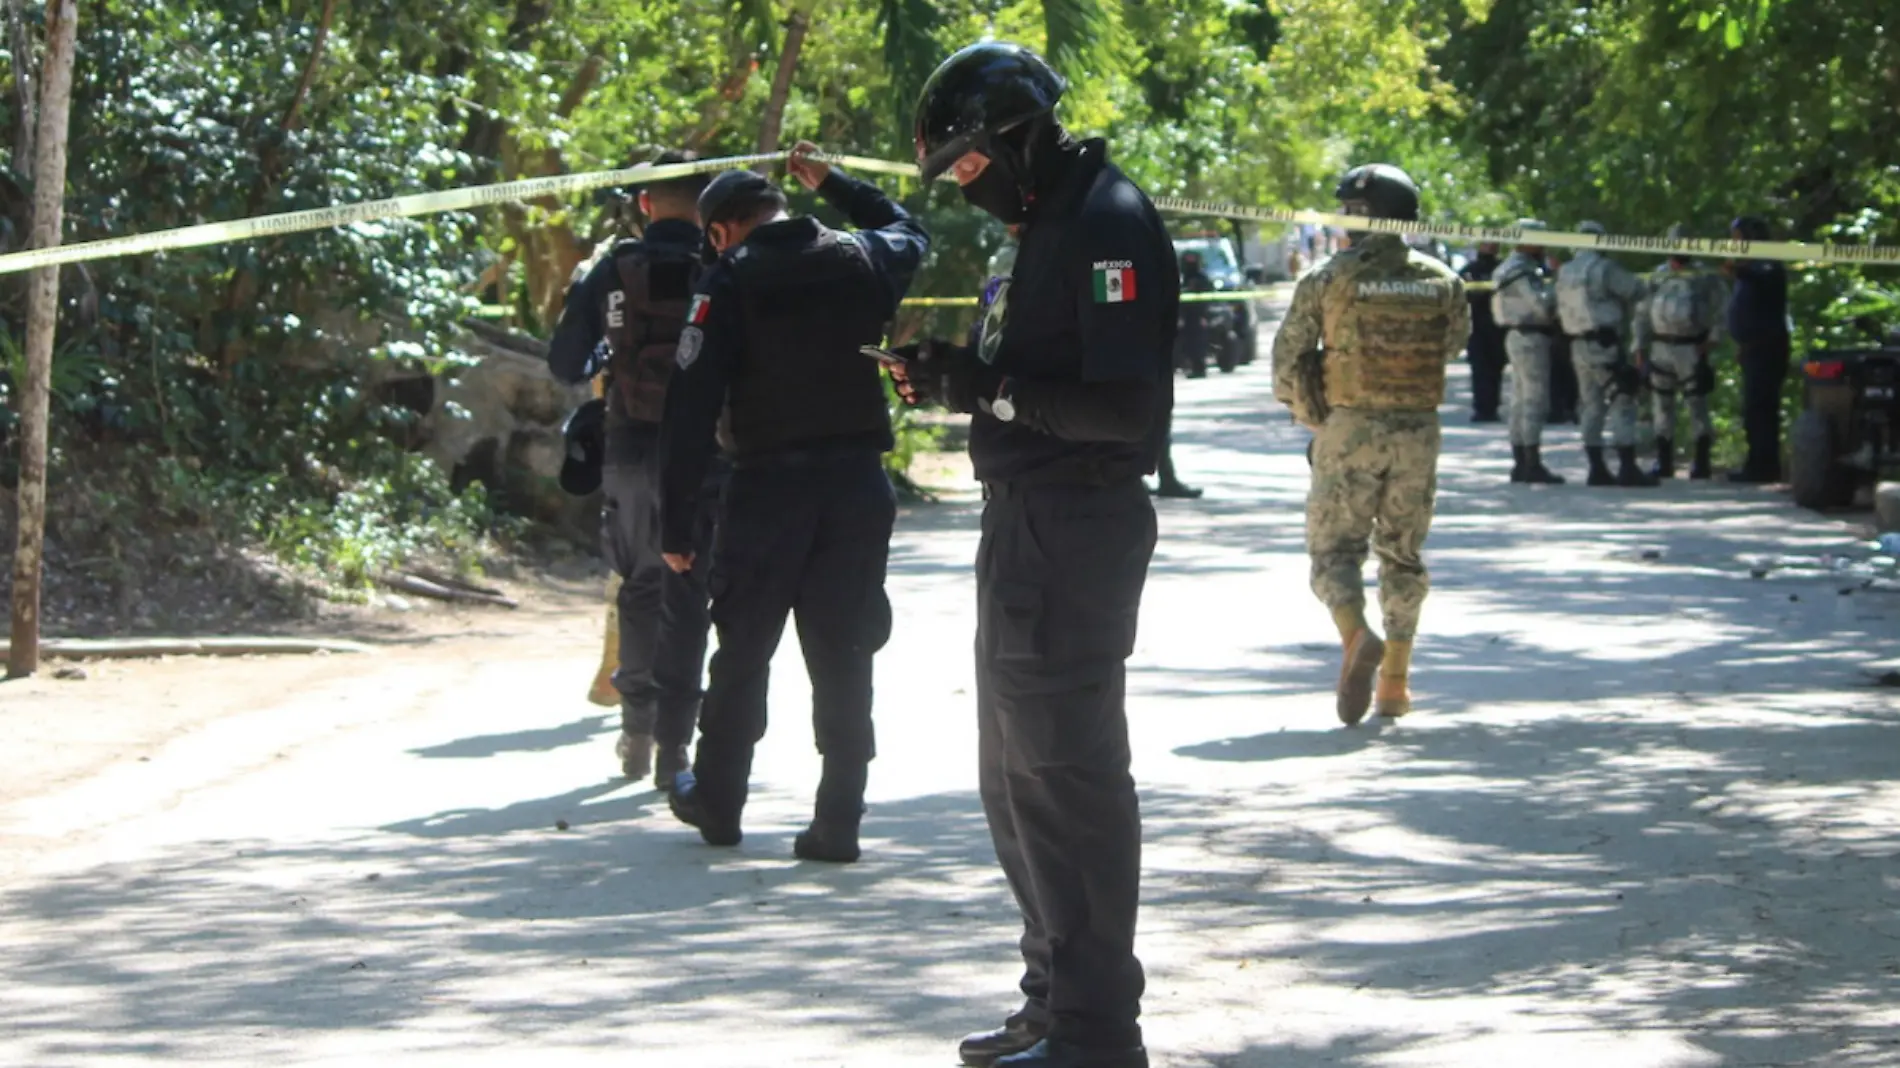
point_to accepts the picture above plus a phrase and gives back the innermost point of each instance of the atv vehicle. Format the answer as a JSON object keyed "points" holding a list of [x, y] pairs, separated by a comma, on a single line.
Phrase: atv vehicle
{"points": [[1848, 434]]}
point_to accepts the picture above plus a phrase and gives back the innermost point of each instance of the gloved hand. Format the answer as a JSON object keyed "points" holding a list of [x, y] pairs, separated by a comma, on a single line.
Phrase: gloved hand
{"points": [[939, 372], [1704, 380], [1626, 380]]}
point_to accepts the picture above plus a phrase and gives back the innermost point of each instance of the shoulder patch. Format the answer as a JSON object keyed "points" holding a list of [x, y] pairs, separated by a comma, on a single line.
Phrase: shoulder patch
{"points": [[696, 314], [1114, 281], [691, 339]]}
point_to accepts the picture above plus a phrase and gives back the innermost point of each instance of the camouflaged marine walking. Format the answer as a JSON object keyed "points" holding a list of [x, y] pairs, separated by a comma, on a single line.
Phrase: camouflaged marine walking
{"points": [[1677, 324], [1384, 321], [1596, 302], [1525, 306]]}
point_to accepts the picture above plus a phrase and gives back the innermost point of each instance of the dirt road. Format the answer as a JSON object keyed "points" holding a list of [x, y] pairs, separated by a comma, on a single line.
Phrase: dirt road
{"points": [[1647, 814]]}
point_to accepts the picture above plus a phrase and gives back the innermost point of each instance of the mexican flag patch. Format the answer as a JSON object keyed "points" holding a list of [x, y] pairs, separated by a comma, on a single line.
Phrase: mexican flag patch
{"points": [[696, 314], [1114, 282]]}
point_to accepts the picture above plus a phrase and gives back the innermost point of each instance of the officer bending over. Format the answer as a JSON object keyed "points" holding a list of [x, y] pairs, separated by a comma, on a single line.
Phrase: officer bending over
{"points": [[773, 339], [635, 299], [1071, 383]]}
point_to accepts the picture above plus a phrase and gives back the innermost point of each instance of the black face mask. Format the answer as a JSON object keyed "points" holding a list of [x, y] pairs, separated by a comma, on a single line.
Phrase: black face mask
{"points": [[995, 192]]}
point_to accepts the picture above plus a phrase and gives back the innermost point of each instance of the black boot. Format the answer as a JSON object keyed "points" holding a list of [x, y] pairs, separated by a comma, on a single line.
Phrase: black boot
{"points": [[1534, 469], [833, 834], [670, 761], [1599, 471], [1665, 459], [1629, 472], [635, 751], [1055, 1053], [984, 1048], [690, 808], [1701, 468], [1517, 463]]}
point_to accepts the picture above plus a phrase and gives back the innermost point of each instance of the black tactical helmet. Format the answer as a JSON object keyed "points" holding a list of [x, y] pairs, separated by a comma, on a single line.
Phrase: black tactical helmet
{"points": [[585, 439], [1388, 192], [1751, 227], [982, 91]]}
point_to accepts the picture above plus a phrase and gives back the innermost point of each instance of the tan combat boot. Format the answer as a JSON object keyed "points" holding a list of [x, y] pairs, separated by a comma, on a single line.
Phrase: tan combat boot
{"points": [[1358, 667], [1394, 697]]}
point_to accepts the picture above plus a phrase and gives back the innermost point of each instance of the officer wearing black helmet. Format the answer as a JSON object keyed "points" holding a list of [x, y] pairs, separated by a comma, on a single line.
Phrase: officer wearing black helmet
{"points": [[1071, 385], [774, 339], [626, 315]]}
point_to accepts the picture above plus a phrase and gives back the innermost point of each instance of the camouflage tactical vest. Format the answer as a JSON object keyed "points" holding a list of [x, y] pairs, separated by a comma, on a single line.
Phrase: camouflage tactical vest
{"points": [[644, 320], [1385, 329]]}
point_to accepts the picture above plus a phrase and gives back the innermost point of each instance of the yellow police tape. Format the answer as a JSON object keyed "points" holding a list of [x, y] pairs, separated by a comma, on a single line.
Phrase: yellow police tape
{"points": [[560, 185], [1793, 251], [1218, 297], [368, 211]]}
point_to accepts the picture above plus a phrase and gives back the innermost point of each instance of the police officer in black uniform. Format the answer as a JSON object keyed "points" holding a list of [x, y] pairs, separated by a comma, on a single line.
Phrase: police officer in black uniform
{"points": [[1071, 384], [774, 338], [627, 313], [1485, 350]]}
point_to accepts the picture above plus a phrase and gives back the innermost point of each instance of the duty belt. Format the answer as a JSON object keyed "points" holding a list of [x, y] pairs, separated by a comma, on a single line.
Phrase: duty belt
{"points": [[1602, 335], [1681, 339], [1005, 489], [1084, 472], [810, 456]]}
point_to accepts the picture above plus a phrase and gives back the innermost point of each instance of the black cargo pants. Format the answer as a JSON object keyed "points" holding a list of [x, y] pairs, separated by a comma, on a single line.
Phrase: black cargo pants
{"points": [[1059, 576], [1486, 356], [805, 535], [1765, 366], [663, 615]]}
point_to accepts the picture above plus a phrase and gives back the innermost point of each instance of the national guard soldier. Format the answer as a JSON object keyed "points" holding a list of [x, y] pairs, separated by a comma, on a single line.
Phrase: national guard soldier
{"points": [[1677, 325], [1596, 302], [1524, 304], [627, 313], [1388, 320], [775, 340], [1070, 383], [1485, 351]]}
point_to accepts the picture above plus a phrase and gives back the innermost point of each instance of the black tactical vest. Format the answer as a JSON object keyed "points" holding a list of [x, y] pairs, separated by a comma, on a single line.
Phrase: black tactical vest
{"points": [[644, 320], [809, 306]]}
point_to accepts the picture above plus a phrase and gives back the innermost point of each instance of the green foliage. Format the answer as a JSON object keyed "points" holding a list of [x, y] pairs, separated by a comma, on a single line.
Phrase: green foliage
{"points": [[224, 362]]}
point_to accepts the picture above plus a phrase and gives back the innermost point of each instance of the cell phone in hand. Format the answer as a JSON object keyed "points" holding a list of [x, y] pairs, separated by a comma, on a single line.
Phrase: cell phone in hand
{"points": [[883, 356]]}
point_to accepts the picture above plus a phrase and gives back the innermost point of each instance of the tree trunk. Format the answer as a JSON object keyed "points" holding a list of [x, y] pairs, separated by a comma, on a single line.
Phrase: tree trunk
{"points": [[20, 42], [713, 117], [42, 316], [772, 122]]}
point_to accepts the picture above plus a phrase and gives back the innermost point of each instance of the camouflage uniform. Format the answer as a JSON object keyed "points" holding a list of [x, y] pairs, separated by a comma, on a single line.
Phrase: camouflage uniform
{"points": [[1673, 355], [1525, 307], [1390, 320], [1596, 302]]}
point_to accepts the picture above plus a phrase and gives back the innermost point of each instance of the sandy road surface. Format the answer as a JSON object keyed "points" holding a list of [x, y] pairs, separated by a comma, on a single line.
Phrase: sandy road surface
{"points": [[1647, 814]]}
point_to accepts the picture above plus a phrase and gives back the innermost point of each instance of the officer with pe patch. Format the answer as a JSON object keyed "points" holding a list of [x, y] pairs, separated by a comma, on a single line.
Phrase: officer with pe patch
{"points": [[1388, 320], [1070, 384], [626, 315], [774, 339]]}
